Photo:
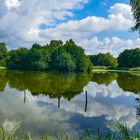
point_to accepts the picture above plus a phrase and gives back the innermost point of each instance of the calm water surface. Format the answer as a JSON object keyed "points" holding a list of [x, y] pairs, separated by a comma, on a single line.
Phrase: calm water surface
{"points": [[46, 103]]}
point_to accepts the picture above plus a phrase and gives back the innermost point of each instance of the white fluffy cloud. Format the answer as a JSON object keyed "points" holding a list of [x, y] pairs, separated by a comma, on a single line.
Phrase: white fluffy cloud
{"points": [[119, 18], [112, 45], [21, 19], [12, 3], [84, 31]]}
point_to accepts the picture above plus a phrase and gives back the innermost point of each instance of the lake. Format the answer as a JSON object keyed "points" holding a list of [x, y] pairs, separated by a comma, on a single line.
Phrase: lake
{"points": [[47, 103]]}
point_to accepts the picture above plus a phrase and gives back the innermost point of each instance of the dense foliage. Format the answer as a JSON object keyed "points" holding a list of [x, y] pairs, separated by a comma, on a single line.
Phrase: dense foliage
{"points": [[136, 14], [103, 60], [129, 58], [17, 58], [64, 57], [56, 56]]}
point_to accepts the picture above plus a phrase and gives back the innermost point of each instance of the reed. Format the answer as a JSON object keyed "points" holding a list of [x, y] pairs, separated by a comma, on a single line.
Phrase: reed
{"points": [[124, 134]]}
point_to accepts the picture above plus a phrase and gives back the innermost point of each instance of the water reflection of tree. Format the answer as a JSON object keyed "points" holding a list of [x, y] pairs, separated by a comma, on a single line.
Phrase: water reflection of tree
{"points": [[3, 80], [56, 85], [126, 81], [104, 77], [129, 82]]}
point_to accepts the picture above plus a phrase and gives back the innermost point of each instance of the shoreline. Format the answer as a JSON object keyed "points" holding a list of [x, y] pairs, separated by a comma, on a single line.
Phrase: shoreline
{"points": [[99, 69], [106, 69], [2, 68], [112, 70]]}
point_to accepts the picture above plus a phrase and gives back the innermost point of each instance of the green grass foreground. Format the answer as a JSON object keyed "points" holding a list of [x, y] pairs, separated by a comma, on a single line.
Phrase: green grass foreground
{"points": [[124, 134]]}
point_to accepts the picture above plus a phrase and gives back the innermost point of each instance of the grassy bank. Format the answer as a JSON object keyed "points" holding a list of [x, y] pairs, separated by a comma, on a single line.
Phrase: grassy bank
{"points": [[102, 69], [2, 68], [123, 134]]}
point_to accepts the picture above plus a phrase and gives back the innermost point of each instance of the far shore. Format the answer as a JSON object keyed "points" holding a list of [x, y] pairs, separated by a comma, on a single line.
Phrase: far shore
{"points": [[106, 69], [2, 68], [103, 69]]}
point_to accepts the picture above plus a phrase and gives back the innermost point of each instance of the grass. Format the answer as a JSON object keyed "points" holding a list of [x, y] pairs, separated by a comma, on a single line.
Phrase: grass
{"points": [[4, 135], [2, 68], [135, 69], [107, 69], [124, 134]]}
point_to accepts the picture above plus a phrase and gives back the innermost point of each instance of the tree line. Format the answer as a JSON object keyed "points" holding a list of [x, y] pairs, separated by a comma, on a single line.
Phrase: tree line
{"points": [[126, 59], [53, 56], [64, 57]]}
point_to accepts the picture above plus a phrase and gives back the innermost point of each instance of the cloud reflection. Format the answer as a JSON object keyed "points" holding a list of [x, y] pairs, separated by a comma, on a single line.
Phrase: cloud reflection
{"points": [[40, 114]]}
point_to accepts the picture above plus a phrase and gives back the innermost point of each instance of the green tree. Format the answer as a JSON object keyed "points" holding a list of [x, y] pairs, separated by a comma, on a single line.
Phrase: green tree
{"points": [[129, 58], [103, 60], [3, 54], [136, 14], [82, 61], [65, 62], [56, 43], [17, 59], [55, 56], [38, 58], [69, 57]]}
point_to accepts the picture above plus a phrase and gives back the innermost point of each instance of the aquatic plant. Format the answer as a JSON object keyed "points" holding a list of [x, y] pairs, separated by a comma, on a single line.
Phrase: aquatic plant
{"points": [[124, 134]]}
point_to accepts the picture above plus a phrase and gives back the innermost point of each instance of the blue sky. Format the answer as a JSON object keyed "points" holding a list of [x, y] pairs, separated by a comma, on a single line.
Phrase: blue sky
{"points": [[97, 8], [96, 25], [100, 8]]}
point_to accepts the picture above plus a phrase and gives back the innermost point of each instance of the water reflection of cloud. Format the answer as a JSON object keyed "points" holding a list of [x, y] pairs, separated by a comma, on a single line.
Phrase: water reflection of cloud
{"points": [[9, 125], [109, 101], [41, 115], [37, 118], [112, 90]]}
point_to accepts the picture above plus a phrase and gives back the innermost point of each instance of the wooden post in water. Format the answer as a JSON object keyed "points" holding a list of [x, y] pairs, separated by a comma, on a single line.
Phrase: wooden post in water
{"points": [[24, 96], [59, 100], [86, 101]]}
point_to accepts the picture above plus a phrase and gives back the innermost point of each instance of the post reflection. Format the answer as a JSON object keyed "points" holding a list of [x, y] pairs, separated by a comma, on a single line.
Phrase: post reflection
{"points": [[86, 102]]}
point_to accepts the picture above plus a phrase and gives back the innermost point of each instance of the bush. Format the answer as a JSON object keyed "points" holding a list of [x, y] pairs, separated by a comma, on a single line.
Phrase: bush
{"points": [[55, 56], [103, 60], [129, 58]]}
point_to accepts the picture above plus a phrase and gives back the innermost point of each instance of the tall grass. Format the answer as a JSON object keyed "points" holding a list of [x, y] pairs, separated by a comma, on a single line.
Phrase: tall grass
{"points": [[124, 134], [8, 136]]}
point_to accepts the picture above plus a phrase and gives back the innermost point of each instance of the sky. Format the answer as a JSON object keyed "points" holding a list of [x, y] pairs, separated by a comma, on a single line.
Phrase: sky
{"points": [[98, 26]]}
